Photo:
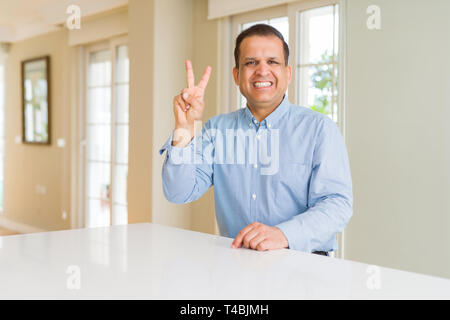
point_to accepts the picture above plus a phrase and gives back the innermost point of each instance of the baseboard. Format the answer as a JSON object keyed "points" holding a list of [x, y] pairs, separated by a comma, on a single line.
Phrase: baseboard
{"points": [[18, 227]]}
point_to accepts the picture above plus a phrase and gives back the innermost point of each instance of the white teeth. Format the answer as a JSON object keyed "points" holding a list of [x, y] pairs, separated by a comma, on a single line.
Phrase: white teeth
{"points": [[262, 84]]}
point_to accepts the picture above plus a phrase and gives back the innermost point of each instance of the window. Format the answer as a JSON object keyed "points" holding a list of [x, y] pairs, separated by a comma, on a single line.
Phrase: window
{"points": [[106, 133], [317, 59]]}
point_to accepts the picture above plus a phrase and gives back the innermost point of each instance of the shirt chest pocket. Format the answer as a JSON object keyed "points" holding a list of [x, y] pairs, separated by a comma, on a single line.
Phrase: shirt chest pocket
{"points": [[292, 182]]}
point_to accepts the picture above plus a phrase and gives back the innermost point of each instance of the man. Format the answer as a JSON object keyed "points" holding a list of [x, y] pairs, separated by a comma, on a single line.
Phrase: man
{"points": [[306, 200]]}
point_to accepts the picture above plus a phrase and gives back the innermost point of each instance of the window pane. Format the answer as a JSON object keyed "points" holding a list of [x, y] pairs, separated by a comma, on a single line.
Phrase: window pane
{"points": [[317, 35], [282, 25], [315, 87], [99, 142], [120, 184], [98, 180], [250, 24], [335, 94], [121, 143], [336, 31], [122, 115], [99, 105], [122, 64], [99, 139], [317, 59], [99, 73], [98, 213]]}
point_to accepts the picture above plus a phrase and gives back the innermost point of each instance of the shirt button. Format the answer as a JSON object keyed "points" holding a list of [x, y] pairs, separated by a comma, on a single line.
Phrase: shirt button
{"points": [[268, 126], [255, 166], [254, 196], [256, 122], [250, 124], [257, 137]]}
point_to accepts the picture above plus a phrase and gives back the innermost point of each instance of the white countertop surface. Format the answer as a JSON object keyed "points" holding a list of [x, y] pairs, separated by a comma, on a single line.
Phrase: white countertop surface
{"points": [[149, 261]]}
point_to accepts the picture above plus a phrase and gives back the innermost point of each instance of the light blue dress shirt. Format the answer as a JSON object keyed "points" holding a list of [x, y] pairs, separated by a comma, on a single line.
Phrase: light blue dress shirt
{"points": [[306, 192]]}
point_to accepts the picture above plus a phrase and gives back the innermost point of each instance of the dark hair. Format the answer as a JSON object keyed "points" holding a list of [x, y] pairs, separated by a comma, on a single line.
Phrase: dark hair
{"points": [[260, 30]]}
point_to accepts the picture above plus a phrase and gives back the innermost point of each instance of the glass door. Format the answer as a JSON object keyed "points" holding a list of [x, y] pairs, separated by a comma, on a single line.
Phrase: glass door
{"points": [[106, 134]]}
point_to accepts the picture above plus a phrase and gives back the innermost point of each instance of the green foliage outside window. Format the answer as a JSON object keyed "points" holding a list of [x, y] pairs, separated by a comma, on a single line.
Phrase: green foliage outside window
{"points": [[322, 79]]}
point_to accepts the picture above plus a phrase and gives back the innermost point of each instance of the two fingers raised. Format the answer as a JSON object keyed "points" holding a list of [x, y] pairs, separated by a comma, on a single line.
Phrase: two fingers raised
{"points": [[191, 79]]}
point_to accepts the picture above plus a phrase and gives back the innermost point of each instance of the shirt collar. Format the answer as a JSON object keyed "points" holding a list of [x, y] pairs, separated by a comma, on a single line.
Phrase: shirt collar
{"points": [[272, 119]]}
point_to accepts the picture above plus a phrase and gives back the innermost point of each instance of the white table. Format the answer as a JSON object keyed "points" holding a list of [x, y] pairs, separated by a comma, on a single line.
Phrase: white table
{"points": [[159, 262]]}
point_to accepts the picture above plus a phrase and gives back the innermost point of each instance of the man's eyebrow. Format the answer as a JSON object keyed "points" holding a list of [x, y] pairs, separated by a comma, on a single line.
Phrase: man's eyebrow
{"points": [[268, 58]]}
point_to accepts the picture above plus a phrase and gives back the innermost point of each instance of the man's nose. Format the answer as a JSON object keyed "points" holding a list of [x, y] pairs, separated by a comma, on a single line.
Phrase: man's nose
{"points": [[262, 69]]}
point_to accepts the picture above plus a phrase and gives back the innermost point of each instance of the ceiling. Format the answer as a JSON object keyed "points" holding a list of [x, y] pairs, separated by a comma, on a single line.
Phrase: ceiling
{"points": [[22, 19]]}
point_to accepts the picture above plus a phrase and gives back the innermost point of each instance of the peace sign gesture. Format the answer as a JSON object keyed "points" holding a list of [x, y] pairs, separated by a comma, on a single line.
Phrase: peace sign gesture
{"points": [[189, 105]]}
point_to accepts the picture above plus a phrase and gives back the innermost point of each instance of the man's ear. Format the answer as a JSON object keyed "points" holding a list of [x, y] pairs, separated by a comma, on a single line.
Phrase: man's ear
{"points": [[289, 74], [236, 76]]}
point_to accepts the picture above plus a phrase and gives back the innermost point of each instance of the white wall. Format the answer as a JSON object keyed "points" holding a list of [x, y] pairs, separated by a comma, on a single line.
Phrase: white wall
{"points": [[398, 135]]}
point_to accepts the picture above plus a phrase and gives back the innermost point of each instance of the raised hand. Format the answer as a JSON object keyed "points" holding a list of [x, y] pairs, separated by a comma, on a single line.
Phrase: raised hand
{"points": [[188, 106]]}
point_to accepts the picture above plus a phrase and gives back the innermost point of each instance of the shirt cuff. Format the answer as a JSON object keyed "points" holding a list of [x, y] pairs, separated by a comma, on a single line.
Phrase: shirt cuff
{"points": [[173, 151], [296, 237]]}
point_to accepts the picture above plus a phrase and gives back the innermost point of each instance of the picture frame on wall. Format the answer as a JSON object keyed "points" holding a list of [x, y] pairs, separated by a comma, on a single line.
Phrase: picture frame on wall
{"points": [[36, 102]]}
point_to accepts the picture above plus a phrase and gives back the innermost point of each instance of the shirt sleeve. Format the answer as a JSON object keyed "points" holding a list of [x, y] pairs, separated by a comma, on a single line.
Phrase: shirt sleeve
{"points": [[187, 173], [330, 198]]}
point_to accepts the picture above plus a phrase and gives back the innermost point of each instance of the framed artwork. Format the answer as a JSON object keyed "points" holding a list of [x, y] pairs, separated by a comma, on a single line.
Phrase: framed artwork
{"points": [[36, 101]]}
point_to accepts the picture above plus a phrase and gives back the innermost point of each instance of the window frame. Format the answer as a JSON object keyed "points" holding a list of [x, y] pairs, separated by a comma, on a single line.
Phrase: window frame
{"points": [[110, 45]]}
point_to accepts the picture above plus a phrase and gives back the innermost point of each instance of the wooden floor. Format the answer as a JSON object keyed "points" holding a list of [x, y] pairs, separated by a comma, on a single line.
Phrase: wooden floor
{"points": [[6, 232]]}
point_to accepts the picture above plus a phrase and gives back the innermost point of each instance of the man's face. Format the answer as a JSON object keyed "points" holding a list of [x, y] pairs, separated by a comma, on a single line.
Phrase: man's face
{"points": [[263, 76]]}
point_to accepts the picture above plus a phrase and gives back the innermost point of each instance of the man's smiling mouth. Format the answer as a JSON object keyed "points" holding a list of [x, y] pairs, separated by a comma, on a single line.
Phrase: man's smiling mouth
{"points": [[262, 84]]}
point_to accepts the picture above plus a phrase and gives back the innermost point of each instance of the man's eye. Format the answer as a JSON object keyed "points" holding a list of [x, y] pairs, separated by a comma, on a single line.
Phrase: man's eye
{"points": [[273, 62], [250, 62]]}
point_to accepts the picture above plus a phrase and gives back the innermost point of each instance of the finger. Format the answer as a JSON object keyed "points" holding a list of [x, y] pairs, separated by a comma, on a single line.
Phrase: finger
{"points": [[249, 237], [263, 245], [190, 75], [205, 78], [180, 102], [186, 92], [237, 243], [256, 241], [191, 101]]}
